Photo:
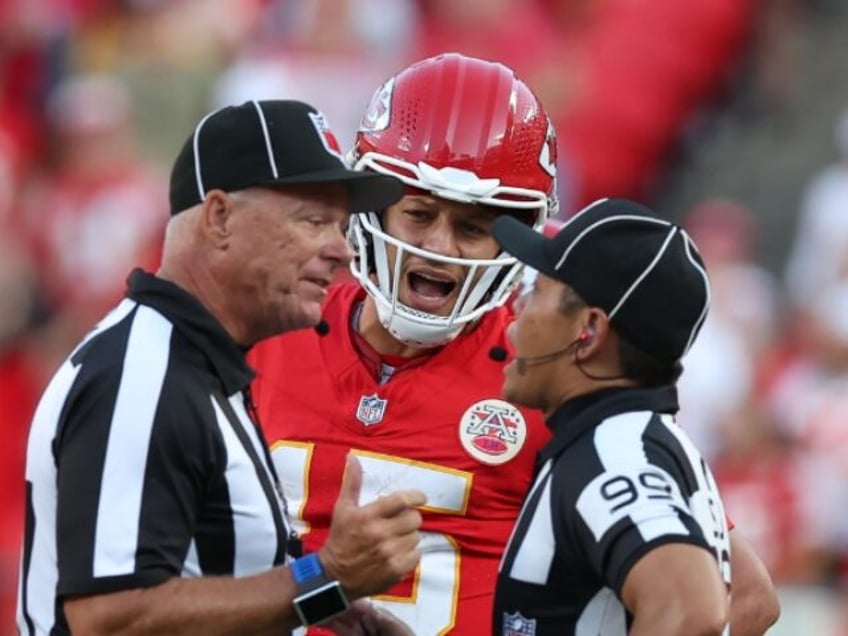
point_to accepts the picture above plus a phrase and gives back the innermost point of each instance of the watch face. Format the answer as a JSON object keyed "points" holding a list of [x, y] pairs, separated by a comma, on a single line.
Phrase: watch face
{"points": [[321, 604]]}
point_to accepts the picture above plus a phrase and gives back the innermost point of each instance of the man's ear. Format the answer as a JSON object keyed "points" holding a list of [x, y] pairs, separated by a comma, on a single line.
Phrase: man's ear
{"points": [[215, 217], [594, 332]]}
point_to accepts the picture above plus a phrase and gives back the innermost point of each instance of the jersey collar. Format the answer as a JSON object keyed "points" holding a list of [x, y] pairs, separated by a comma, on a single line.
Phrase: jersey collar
{"points": [[196, 324], [580, 414]]}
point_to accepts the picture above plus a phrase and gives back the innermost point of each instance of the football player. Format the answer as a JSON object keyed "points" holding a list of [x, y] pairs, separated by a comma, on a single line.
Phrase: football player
{"points": [[406, 370]]}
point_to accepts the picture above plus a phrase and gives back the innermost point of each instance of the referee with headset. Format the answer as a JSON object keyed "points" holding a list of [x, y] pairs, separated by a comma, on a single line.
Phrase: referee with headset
{"points": [[152, 504], [623, 530]]}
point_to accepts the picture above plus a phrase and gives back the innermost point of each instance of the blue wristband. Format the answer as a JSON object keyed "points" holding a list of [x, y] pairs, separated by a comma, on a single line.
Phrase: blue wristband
{"points": [[307, 568]]}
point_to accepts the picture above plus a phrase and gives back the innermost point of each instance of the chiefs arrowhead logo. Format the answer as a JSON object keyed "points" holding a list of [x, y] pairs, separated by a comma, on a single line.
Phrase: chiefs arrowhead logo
{"points": [[548, 155], [378, 113]]}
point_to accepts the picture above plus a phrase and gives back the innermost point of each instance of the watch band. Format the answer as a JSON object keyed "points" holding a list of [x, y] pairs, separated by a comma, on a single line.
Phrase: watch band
{"points": [[319, 598], [308, 572]]}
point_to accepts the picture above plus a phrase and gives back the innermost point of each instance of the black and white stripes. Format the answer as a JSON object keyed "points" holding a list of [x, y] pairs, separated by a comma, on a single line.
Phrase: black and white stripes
{"points": [[143, 463], [618, 478]]}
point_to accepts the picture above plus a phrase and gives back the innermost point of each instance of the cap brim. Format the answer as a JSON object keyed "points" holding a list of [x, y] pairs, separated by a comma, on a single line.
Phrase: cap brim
{"points": [[524, 243], [368, 191]]}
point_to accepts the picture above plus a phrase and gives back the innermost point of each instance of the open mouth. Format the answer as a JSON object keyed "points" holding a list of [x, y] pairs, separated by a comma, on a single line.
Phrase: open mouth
{"points": [[430, 292], [430, 287]]}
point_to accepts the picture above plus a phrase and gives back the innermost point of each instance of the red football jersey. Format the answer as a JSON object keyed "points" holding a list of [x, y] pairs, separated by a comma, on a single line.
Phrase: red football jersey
{"points": [[440, 426]]}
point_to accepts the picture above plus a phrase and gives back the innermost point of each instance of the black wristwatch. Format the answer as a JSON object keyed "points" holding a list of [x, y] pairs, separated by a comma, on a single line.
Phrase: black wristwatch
{"points": [[319, 598]]}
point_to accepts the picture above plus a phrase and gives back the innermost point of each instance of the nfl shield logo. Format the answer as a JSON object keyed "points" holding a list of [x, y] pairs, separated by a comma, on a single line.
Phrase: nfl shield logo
{"points": [[518, 625], [371, 409], [319, 120]]}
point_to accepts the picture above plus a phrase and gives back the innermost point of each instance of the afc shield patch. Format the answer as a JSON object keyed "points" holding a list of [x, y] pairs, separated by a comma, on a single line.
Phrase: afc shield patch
{"points": [[371, 409], [518, 625], [492, 431]]}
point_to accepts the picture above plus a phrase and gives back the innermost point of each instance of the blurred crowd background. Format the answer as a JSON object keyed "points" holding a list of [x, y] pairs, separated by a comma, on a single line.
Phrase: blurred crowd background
{"points": [[728, 116]]}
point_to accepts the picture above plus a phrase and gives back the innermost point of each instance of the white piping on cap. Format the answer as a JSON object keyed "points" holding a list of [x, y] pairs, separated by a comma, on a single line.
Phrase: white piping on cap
{"points": [[597, 224], [271, 159], [689, 246], [645, 272], [195, 144]]}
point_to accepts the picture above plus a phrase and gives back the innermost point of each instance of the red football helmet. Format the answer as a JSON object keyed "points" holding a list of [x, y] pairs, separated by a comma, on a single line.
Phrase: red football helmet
{"points": [[463, 129]]}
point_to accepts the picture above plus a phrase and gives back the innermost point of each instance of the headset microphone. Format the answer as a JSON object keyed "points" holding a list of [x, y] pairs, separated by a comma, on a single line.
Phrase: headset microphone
{"points": [[498, 354], [522, 364], [322, 328]]}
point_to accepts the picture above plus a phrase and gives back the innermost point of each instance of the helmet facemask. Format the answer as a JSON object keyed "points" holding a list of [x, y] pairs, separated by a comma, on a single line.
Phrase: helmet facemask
{"points": [[487, 284]]}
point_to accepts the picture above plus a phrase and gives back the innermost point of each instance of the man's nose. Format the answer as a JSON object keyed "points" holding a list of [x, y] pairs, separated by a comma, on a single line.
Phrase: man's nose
{"points": [[338, 248], [441, 238]]}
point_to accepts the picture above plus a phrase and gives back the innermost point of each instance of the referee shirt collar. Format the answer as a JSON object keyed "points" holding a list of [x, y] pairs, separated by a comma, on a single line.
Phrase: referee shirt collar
{"points": [[581, 414], [196, 324]]}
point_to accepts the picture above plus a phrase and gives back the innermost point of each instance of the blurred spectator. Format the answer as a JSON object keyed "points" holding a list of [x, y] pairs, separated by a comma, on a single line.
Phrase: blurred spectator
{"points": [[744, 293], [721, 369], [97, 211], [168, 53], [780, 496], [819, 254], [20, 384], [18, 387], [327, 52]]}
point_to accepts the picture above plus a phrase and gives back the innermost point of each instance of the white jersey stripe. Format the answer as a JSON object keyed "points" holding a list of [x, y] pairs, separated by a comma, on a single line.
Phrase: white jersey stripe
{"points": [[250, 518], [123, 471], [43, 576], [536, 554]]}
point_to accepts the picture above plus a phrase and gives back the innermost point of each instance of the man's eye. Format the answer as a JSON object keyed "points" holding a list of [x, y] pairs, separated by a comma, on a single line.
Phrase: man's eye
{"points": [[475, 230]]}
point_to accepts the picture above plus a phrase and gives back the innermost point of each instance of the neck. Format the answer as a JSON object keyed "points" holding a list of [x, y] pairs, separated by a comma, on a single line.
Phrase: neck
{"points": [[194, 277], [584, 385]]}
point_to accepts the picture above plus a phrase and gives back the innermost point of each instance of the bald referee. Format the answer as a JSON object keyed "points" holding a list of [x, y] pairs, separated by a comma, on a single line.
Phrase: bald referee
{"points": [[152, 503]]}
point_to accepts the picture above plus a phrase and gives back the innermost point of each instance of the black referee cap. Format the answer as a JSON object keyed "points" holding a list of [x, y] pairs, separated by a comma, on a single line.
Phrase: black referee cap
{"points": [[267, 143], [643, 271]]}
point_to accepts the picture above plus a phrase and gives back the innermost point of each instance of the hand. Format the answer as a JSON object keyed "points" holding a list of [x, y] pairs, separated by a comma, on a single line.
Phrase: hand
{"points": [[371, 547], [366, 619]]}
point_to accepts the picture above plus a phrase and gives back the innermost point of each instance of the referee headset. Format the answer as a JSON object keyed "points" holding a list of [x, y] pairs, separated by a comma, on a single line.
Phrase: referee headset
{"points": [[499, 354], [587, 335]]}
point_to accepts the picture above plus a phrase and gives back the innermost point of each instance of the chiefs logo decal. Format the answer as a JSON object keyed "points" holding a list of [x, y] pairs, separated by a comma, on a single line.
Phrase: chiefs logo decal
{"points": [[492, 431], [548, 155], [378, 113]]}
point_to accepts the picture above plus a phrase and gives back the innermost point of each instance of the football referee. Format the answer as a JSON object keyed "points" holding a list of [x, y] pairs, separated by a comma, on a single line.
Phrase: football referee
{"points": [[623, 530], [152, 505]]}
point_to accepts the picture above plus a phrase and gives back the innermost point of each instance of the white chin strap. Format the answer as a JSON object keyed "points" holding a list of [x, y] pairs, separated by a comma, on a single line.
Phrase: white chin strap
{"points": [[495, 280], [428, 334]]}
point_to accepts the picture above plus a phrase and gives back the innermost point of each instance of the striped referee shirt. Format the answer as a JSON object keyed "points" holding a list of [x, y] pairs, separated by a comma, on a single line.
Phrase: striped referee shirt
{"points": [[618, 479], [143, 461]]}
